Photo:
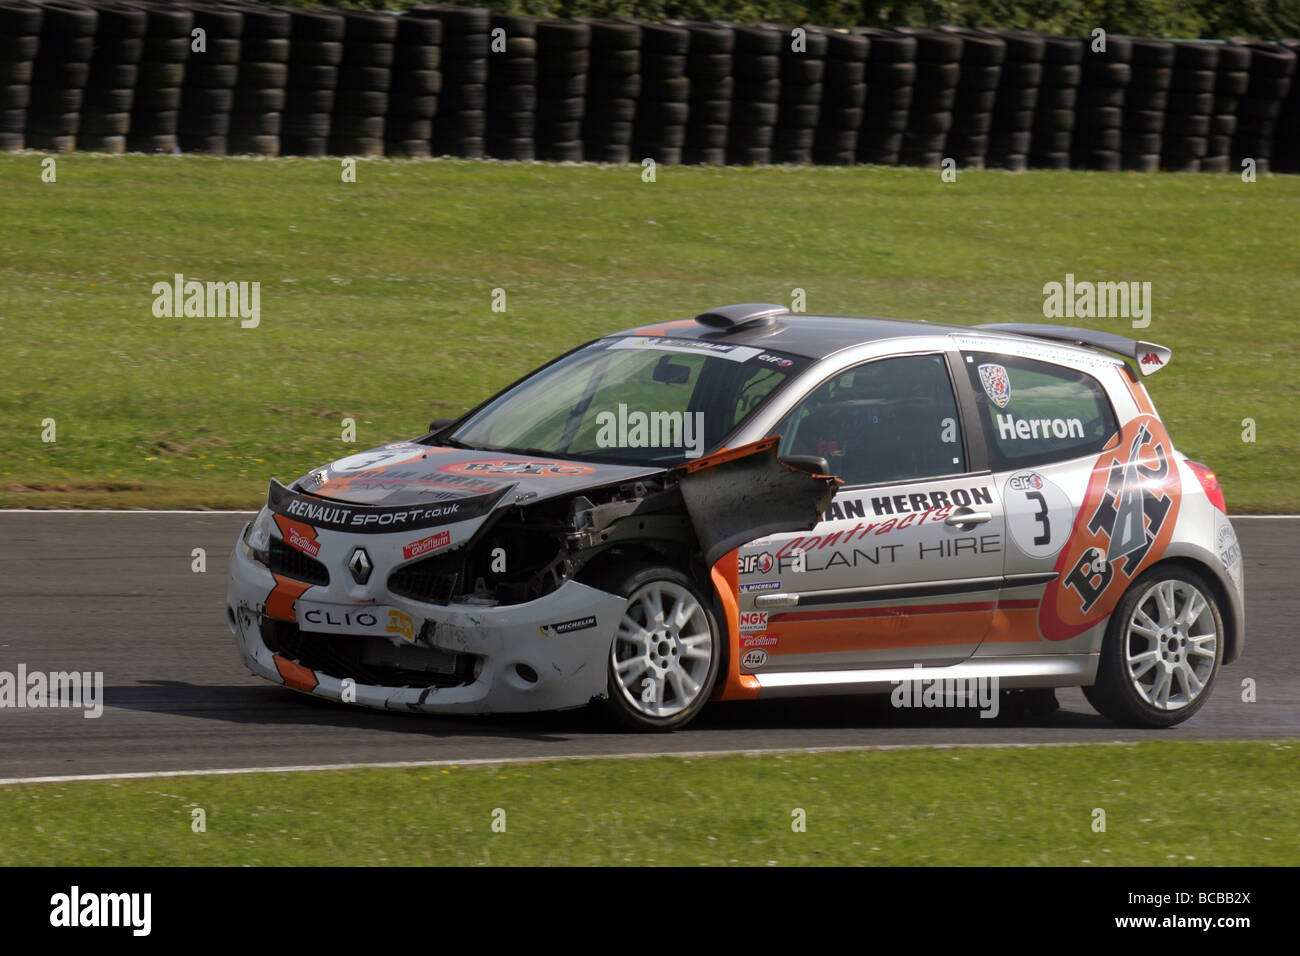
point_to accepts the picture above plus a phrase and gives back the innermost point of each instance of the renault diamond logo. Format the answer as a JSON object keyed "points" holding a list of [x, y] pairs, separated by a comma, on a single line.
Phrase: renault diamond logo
{"points": [[360, 566]]}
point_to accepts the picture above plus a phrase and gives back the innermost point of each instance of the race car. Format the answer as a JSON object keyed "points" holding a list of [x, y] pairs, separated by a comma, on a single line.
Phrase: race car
{"points": [[754, 503]]}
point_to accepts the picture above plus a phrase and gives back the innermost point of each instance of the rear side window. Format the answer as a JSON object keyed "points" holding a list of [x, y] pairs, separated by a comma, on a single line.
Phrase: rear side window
{"points": [[1034, 413]]}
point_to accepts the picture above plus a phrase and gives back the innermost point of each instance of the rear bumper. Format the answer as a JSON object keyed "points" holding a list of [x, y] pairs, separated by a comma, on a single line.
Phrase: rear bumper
{"points": [[511, 658]]}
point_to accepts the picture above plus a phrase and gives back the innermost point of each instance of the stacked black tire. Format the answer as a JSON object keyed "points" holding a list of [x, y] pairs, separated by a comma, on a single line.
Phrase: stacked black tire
{"points": [[659, 127], [891, 74], [1099, 114], [365, 75], [709, 65], [1014, 105], [417, 83], [257, 117], [803, 68], [844, 94], [1232, 79], [1286, 147], [20, 39], [1190, 106], [1145, 101], [1053, 132], [315, 52], [563, 58], [155, 111], [755, 100], [208, 93], [613, 83], [1271, 68], [110, 87], [938, 71], [982, 57], [67, 42], [512, 89], [461, 122]]}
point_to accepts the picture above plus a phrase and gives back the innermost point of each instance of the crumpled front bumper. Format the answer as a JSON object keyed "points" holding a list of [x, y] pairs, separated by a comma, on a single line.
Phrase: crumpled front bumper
{"points": [[523, 663]]}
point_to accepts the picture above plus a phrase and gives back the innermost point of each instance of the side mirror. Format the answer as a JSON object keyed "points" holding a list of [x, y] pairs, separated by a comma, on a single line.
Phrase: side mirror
{"points": [[813, 464], [438, 424]]}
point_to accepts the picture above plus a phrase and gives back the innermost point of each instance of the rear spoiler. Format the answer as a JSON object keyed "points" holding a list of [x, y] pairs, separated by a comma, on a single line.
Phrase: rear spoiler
{"points": [[1148, 356]]}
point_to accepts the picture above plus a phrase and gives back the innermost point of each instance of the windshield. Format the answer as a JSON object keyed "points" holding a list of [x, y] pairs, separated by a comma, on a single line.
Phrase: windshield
{"points": [[636, 399]]}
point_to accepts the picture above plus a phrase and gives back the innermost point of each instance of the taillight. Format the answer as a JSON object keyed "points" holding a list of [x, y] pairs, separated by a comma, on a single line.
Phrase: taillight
{"points": [[1209, 483]]}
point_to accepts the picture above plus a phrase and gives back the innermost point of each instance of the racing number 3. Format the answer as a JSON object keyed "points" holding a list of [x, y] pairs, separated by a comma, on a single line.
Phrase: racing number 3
{"points": [[1041, 518]]}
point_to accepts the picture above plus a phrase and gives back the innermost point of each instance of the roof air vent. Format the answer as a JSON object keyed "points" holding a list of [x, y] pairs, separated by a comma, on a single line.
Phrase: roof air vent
{"points": [[748, 315]]}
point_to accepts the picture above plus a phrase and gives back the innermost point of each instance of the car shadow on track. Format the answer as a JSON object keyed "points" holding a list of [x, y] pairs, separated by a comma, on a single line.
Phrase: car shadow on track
{"points": [[268, 705]]}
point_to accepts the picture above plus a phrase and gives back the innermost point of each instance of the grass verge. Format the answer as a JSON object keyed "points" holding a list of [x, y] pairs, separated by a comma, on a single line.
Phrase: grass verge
{"points": [[376, 296], [1165, 804]]}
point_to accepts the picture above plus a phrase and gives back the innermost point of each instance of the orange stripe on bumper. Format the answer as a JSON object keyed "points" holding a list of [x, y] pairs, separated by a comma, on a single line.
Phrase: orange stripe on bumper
{"points": [[295, 675]]}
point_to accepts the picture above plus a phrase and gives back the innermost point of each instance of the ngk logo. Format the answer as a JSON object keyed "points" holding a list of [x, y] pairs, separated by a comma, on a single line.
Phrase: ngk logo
{"points": [[753, 621], [756, 563]]}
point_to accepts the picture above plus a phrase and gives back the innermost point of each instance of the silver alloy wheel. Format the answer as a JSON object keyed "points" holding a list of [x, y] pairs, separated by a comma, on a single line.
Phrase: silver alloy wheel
{"points": [[663, 649], [1172, 644]]}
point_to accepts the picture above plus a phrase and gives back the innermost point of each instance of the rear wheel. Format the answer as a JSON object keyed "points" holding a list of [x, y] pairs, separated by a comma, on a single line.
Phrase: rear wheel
{"points": [[1162, 651], [665, 655]]}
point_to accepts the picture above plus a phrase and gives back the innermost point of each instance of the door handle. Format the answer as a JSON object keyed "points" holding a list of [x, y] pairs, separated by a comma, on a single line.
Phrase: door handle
{"points": [[966, 516]]}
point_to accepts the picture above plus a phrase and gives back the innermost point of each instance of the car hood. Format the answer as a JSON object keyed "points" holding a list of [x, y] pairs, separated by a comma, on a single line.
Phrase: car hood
{"points": [[408, 474]]}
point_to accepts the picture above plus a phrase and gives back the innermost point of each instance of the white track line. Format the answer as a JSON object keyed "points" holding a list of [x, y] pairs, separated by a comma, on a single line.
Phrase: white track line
{"points": [[498, 761]]}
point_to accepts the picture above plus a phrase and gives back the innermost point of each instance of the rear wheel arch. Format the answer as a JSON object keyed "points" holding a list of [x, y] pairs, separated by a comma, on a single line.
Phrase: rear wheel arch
{"points": [[1225, 599]]}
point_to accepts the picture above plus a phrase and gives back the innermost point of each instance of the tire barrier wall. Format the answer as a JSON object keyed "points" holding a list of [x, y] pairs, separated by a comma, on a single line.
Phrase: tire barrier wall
{"points": [[238, 77]]}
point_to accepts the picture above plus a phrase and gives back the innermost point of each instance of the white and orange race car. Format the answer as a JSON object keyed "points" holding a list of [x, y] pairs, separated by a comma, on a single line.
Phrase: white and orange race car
{"points": [[751, 504]]}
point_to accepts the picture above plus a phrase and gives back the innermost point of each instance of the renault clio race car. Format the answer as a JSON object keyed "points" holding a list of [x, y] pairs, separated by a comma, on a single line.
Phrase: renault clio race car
{"points": [[752, 504]]}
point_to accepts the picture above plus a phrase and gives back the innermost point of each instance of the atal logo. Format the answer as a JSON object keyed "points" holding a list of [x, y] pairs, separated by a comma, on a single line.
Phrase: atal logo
{"points": [[755, 658], [1151, 360], [756, 563], [753, 621]]}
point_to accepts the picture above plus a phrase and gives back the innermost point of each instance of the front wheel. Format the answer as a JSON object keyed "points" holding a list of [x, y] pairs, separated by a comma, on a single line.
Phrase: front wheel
{"points": [[665, 654], [1162, 651]]}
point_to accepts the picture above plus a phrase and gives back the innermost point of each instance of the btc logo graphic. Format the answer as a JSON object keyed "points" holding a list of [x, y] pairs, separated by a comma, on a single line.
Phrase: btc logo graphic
{"points": [[1124, 525]]}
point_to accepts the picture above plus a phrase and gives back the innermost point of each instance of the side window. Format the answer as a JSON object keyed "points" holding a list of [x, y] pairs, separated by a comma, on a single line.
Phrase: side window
{"points": [[1034, 413], [892, 419]]}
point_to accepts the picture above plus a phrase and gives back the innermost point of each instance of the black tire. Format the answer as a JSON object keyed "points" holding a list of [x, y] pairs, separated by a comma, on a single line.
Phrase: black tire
{"points": [[1114, 694], [627, 581]]}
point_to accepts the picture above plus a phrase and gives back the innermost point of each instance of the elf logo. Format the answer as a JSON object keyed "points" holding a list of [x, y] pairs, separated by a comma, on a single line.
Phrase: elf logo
{"points": [[756, 563]]}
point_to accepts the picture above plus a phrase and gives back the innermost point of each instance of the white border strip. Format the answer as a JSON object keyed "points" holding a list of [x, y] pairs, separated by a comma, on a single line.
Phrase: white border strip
{"points": [[119, 511], [213, 511], [558, 758]]}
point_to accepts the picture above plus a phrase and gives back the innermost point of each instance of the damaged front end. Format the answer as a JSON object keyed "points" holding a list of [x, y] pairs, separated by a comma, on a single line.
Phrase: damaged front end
{"points": [[687, 518]]}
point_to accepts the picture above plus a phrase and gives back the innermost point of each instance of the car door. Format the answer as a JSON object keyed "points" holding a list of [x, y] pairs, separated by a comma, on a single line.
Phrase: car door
{"points": [[1044, 425], [905, 567]]}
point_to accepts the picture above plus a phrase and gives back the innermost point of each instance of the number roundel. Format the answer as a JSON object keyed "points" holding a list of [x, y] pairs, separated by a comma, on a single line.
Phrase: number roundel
{"points": [[1039, 514]]}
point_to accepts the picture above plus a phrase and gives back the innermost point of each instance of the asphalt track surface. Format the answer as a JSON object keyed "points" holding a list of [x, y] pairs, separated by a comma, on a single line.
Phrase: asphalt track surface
{"points": [[114, 592]]}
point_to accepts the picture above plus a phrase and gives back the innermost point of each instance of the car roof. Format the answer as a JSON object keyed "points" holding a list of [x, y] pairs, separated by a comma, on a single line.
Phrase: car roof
{"points": [[810, 336]]}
